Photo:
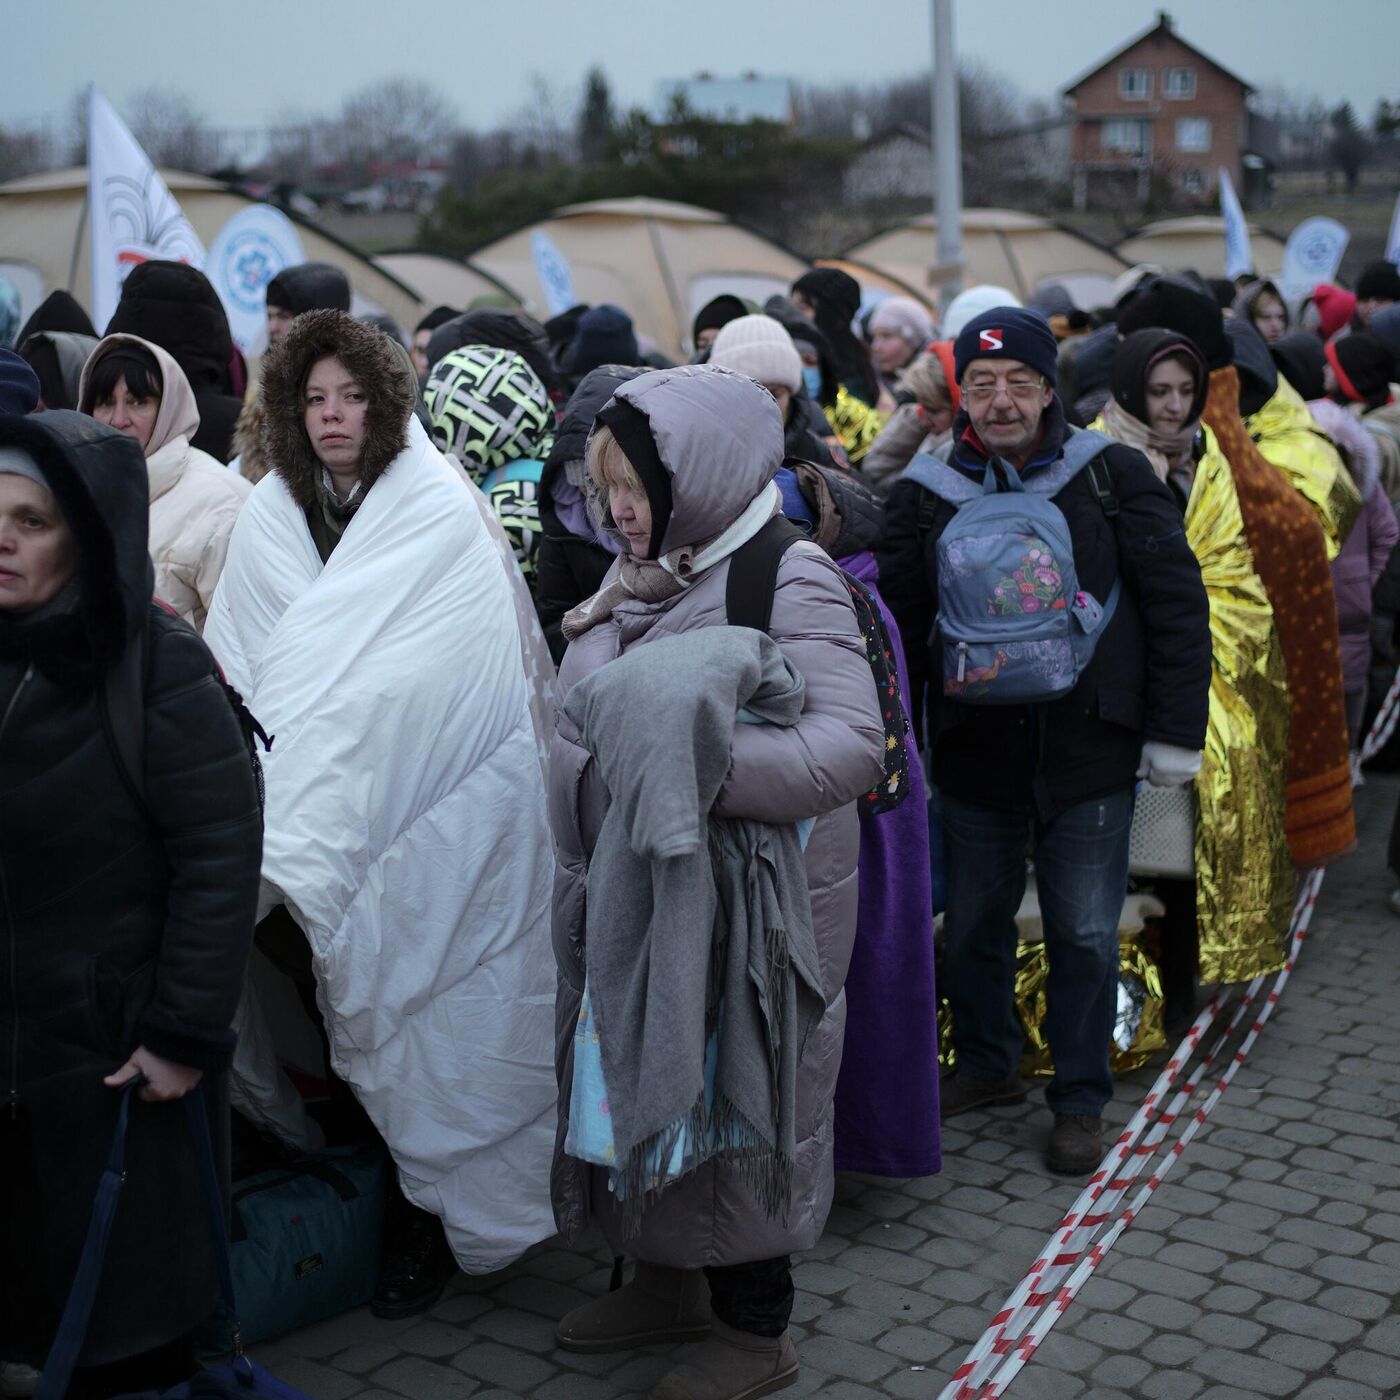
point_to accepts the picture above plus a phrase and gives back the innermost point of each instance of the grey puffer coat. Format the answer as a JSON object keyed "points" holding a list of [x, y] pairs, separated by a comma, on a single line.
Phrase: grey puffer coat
{"points": [[719, 438]]}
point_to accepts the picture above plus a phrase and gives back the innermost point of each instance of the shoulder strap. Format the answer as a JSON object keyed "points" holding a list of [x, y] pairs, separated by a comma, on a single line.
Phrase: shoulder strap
{"points": [[1102, 483], [937, 476], [753, 574], [123, 704]]}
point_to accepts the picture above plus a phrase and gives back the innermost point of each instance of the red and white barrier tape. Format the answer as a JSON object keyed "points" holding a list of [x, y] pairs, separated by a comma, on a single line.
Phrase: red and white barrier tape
{"points": [[1039, 1300]]}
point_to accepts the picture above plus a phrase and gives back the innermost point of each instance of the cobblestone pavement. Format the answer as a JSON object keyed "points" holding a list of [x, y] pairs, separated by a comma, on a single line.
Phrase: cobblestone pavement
{"points": [[1267, 1265]]}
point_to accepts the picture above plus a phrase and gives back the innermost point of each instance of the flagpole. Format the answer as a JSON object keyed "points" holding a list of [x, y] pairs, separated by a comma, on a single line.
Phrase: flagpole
{"points": [[947, 154]]}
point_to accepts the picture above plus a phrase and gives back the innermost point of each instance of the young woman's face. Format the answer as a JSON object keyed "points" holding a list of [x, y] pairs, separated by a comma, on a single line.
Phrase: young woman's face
{"points": [[36, 545], [1170, 390], [334, 408], [128, 413], [1270, 318]]}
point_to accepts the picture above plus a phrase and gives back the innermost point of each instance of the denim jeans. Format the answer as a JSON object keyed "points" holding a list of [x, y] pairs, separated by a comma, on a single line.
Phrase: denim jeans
{"points": [[1081, 868]]}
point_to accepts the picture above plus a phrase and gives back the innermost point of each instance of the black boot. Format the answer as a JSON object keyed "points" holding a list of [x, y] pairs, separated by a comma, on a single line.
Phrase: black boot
{"points": [[415, 1262]]}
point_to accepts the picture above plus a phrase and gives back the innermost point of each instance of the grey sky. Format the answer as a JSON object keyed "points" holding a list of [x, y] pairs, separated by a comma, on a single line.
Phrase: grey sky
{"points": [[245, 63]]}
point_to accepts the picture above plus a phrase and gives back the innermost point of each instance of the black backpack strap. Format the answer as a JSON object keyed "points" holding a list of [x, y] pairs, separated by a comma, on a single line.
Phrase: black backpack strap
{"points": [[1102, 483], [122, 701], [753, 574]]}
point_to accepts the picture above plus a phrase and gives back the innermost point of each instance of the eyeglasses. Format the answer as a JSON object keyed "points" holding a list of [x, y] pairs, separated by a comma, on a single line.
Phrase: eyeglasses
{"points": [[1022, 390]]}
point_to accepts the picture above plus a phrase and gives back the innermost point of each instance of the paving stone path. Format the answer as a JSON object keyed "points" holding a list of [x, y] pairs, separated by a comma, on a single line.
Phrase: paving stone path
{"points": [[1268, 1264]]}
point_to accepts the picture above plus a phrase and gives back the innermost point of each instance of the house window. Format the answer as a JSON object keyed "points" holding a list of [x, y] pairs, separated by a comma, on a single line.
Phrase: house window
{"points": [[1193, 181], [1128, 138], [1193, 134], [1179, 82], [1134, 84]]}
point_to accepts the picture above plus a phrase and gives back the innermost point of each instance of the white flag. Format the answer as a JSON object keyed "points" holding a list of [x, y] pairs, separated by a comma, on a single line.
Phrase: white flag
{"points": [[132, 217], [552, 268], [1392, 243], [1238, 261], [1313, 255]]}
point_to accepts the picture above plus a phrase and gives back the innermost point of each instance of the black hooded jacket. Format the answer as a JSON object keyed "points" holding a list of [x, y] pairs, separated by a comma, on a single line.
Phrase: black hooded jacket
{"points": [[570, 567], [506, 330], [177, 308], [1150, 675], [312, 286], [1257, 371], [122, 922]]}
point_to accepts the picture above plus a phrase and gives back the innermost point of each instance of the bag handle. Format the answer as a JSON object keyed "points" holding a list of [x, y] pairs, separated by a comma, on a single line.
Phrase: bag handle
{"points": [[82, 1297]]}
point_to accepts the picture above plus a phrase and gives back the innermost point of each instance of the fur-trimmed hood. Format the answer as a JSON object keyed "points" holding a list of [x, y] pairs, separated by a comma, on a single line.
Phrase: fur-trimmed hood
{"points": [[368, 355]]}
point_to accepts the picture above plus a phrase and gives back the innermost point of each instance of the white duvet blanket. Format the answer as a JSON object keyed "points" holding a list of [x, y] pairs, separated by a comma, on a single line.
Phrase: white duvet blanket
{"points": [[406, 830]]}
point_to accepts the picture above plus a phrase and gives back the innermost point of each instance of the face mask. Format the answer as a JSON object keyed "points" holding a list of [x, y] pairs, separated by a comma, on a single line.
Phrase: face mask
{"points": [[812, 378]]}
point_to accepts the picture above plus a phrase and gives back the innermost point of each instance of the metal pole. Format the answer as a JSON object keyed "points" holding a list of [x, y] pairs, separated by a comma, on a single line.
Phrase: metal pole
{"points": [[947, 153]]}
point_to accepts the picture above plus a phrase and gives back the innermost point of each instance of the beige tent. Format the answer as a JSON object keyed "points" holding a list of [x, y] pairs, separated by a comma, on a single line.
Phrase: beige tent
{"points": [[43, 236], [659, 261], [1002, 247], [1198, 242], [442, 280]]}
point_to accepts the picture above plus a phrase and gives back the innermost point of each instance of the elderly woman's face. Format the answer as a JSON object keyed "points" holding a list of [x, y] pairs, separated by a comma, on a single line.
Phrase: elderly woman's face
{"points": [[889, 350], [36, 545]]}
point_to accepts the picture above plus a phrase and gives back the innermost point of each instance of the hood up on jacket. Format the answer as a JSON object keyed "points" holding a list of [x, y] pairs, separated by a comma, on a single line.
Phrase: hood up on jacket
{"points": [[98, 478], [174, 305], [1258, 373], [59, 311], [716, 435], [58, 357], [369, 356], [1249, 294], [312, 286], [178, 415], [1300, 358], [505, 330]]}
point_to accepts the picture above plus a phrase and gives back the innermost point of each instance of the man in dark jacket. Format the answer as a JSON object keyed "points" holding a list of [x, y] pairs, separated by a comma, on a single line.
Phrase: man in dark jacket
{"points": [[176, 306], [1061, 772]]}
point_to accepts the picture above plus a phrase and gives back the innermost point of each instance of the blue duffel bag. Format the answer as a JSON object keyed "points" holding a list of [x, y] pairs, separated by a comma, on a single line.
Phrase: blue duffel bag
{"points": [[304, 1242]]}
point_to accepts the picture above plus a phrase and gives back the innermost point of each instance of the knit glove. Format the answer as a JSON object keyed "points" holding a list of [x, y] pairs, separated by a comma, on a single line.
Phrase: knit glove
{"points": [[1165, 765]]}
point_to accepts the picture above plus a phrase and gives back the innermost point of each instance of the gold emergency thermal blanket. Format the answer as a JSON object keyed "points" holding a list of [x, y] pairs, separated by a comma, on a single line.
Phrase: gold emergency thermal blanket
{"points": [[1289, 437], [1244, 876]]}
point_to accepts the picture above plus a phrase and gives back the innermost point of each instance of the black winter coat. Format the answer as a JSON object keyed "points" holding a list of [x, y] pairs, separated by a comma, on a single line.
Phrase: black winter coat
{"points": [[1150, 675], [569, 567], [123, 925]]}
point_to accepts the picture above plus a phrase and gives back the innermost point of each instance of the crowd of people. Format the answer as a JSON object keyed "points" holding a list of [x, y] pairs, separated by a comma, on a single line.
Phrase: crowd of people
{"points": [[580, 750]]}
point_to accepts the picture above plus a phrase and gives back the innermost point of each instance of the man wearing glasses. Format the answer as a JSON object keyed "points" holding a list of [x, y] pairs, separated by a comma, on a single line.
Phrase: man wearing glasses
{"points": [[1057, 777]]}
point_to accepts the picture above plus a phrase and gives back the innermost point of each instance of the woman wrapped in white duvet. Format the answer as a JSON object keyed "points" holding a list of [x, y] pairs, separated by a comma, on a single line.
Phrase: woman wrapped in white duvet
{"points": [[365, 615]]}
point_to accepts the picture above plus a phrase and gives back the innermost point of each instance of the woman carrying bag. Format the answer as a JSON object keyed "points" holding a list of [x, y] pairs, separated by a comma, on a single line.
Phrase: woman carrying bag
{"points": [[127, 903]]}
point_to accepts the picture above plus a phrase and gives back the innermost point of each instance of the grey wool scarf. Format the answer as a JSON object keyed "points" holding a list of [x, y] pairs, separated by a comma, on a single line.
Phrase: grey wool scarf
{"points": [[686, 911]]}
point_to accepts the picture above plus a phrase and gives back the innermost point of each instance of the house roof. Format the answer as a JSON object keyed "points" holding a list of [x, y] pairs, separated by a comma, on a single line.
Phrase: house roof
{"points": [[1163, 26]]}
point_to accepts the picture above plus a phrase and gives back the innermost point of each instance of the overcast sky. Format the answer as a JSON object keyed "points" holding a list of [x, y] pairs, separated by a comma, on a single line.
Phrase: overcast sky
{"points": [[247, 62]]}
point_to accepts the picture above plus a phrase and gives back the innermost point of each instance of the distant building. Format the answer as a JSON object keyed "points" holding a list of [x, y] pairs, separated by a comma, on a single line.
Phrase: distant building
{"points": [[895, 164], [1160, 107], [748, 98]]}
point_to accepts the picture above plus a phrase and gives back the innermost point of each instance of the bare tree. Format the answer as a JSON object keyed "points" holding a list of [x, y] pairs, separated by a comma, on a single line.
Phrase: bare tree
{"points": [[21, 153], [170, 130], [544, 123], [400, 119]]}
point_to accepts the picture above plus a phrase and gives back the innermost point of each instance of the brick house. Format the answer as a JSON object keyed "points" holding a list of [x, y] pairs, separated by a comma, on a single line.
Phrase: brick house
{"points": [[1156, 108]]}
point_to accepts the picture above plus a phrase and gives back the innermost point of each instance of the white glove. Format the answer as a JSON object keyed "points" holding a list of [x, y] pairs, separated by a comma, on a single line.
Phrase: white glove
{"points": [[1165, 765]]}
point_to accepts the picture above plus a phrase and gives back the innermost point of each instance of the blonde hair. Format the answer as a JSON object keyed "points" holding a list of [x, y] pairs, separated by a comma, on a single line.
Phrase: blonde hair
{"points": [[608, 467], [925, 379]]}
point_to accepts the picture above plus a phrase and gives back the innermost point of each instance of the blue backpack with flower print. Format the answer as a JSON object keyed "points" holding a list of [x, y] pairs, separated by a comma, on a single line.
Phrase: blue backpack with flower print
{"points": [[1013, 626]]}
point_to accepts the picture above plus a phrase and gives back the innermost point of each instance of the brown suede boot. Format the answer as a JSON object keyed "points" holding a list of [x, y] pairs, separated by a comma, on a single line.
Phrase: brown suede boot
{"points": [[731, 1365], [658, 1305]]}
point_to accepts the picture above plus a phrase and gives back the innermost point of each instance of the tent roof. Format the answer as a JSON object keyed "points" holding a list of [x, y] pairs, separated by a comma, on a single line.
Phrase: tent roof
{"points": [[659, 260], [441, 279], [1198, 242], [642, 207], [1004, 247], [43, 228]]}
